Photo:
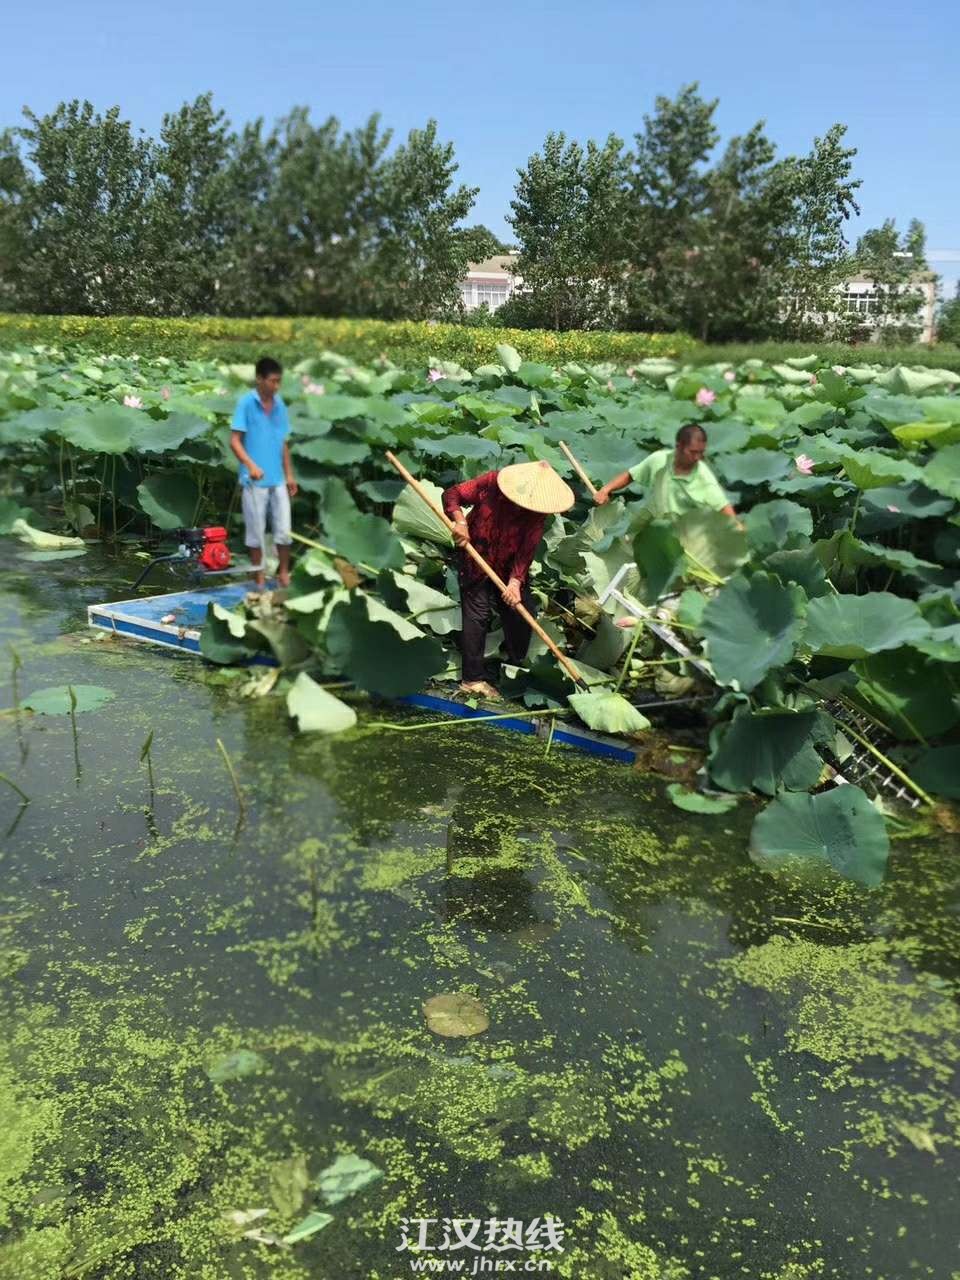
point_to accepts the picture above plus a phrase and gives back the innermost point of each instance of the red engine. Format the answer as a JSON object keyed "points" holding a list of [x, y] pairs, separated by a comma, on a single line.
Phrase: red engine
{"points": [[214, 553]]}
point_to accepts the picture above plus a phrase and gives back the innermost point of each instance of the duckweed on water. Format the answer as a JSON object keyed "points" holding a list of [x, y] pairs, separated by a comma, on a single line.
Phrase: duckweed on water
{"points": [[705, 1073]]}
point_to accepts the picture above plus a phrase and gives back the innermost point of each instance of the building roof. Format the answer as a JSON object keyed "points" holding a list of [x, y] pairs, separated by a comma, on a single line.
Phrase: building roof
{"points": [[500, 263]]}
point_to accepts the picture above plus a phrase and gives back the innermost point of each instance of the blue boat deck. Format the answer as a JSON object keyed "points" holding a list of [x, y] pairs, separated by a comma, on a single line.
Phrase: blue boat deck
{"points": [[143, 619]]}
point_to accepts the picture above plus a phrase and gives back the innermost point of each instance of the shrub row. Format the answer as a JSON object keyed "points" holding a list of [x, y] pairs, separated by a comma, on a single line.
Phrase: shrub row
{"points": [[939, 356], [405, 342]]}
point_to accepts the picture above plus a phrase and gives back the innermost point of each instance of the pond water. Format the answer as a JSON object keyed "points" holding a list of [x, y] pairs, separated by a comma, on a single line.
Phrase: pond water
{"points": [[700, 1071]]}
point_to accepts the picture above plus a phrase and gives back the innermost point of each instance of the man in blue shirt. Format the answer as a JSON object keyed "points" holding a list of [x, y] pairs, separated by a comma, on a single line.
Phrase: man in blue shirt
{"points": [[258, 437]]}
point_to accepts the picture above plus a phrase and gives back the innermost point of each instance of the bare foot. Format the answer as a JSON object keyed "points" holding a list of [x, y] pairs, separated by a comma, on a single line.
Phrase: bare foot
{"points": [[481, 689], [259, 581], [283, 578]]}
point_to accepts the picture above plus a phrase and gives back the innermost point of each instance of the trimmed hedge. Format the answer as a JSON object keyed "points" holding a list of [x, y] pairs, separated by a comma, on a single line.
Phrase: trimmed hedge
{"points": [[942, 355], [406, 342]]}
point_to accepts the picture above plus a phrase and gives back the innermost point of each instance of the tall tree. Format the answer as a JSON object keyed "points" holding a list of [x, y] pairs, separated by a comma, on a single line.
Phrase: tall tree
{"points": [[569, 216], [85, 213], [948, 321], [892, 262], [480, 243]]}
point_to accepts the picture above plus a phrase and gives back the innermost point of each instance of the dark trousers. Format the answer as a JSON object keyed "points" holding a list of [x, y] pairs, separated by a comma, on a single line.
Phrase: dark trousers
{"points": [[477, 601]]}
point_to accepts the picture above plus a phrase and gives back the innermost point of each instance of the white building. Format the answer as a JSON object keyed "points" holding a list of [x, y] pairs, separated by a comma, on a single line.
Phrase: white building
{"points": [[491, 281], [861, 298]]}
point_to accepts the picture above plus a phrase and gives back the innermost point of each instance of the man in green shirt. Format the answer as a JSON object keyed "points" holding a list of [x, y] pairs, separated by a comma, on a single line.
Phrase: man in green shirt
{"points": [[676, 480]]}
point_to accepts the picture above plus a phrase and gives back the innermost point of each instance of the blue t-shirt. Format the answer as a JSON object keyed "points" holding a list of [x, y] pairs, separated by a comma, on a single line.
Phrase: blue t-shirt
{"points": [[263, 437]]}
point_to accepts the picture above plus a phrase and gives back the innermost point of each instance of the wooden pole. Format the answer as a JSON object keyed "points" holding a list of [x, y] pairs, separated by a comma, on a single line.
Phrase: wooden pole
{"points": [[579, 470], [494, 577]]}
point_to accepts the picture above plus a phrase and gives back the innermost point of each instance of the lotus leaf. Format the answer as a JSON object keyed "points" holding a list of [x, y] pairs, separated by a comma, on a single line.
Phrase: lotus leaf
{"points": [[604, 647], [842, 626], [456, 1014], [160, 436], [535, 375], [769, 750], [429, 607], [109, 428], [362, 539], [170, 499], [347, 1175], [660, 557], [712, 541], [289, 1180], [56, 701], [310, 1225], [938, 770], [235, 1065], [942, 472], [696, 802], [752, 625], [801, 567], [777, 525], [909, 692], [608, 712], [460, 447], [332, 450], [836, 390], [837, 829], [223, 637], [374, 654], [754, 467]]}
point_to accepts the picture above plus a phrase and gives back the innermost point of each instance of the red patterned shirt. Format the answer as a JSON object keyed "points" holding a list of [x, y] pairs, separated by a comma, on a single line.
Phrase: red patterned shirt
{"points": [[505, 535]]}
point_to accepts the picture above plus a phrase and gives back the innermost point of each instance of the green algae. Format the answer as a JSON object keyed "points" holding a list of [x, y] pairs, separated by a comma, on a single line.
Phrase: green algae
{"points": [[680, 1051]]}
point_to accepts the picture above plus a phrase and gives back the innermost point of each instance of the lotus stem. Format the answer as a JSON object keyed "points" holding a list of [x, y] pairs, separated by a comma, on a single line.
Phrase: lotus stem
{"points": [[16, 662], [318, 546], [145, 754], [637, 630], [462, 722], [553, 725], [73, 725], [19, 790], [242, 804], [888, 763]]}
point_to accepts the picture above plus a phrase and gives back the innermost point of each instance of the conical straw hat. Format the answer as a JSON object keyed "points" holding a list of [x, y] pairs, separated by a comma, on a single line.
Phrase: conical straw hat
{"points": [[535, 486]]}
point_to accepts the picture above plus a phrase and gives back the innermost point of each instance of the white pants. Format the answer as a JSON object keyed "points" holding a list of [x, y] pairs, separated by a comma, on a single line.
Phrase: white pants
{"points": [[260, 502]]}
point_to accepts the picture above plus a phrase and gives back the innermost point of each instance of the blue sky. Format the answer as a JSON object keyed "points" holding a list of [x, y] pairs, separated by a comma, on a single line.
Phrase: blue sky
{"points": [[498, 76]]}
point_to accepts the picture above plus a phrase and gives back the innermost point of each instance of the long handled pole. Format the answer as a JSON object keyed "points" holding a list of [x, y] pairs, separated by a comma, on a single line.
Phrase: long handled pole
{"points": [[494, 577], [579, 470]]}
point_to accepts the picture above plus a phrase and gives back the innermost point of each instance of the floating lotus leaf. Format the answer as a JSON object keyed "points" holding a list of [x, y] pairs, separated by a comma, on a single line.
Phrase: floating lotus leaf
{"points": [[837, 829], [457, 1014], [289, 1181], [841, 626], [366, 643], [608, 712], [169, 498], [56, 701], [44, 557], [768, 750], [310, 1225], [752, 625], [777, 525], [351, 1173], [235, 1065], [696, 802]]}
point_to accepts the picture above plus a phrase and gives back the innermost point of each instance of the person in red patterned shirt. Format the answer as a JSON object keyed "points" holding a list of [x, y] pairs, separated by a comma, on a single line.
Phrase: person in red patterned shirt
{"points": [[508, 510]]}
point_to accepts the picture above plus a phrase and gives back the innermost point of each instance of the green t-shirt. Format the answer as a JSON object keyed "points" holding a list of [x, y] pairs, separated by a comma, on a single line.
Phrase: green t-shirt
{"points": [[669, 494]]}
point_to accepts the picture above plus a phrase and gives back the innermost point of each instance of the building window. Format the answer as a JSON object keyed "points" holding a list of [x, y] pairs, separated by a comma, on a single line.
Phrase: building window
{"points": [[861, 303], [494, 295]]}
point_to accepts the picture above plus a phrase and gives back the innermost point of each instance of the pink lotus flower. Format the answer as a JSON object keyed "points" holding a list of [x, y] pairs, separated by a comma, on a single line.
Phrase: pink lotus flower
{"points": [[631, 372], [705, 396], [813, 379], [804, 464], [133, 402], [434, 375], [729, 376], [165, 393], [314, 389], [610, 386], [895, 510]]}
